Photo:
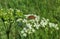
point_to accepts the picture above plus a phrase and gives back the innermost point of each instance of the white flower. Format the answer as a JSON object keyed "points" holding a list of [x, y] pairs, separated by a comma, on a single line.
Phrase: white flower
{"points": [[24, 34], [37, 19], [44, 22], [52, 25], [24, 20], [36, 25], [33, 30], [57, 28], [33, 21], [19, 19], [47, 19], [24, 28], [29, 32], [22, 31], [29, 26]]}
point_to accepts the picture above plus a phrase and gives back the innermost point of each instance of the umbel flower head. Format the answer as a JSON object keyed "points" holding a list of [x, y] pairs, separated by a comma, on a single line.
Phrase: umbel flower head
{"points": [[33, 23]]}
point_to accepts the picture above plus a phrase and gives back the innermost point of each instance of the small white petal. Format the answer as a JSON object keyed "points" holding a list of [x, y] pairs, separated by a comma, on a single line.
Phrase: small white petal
{"points": [[25, 34], [24, 20], [33, 30], [29, 32], [24, 28], [29, 26], [19, 20], [22, 31], [57, 28], [53, 25]]}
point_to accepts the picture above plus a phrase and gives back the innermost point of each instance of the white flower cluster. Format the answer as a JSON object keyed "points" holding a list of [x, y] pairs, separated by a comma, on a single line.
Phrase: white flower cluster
{"points": [[34, 22]]}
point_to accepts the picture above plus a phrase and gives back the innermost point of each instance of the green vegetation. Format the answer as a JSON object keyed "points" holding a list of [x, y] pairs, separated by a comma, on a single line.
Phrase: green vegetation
{"points": [[49, 9]]}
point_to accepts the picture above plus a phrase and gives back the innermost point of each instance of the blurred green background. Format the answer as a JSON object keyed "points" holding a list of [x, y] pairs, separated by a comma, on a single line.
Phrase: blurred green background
{"points": [[45, 8]]}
